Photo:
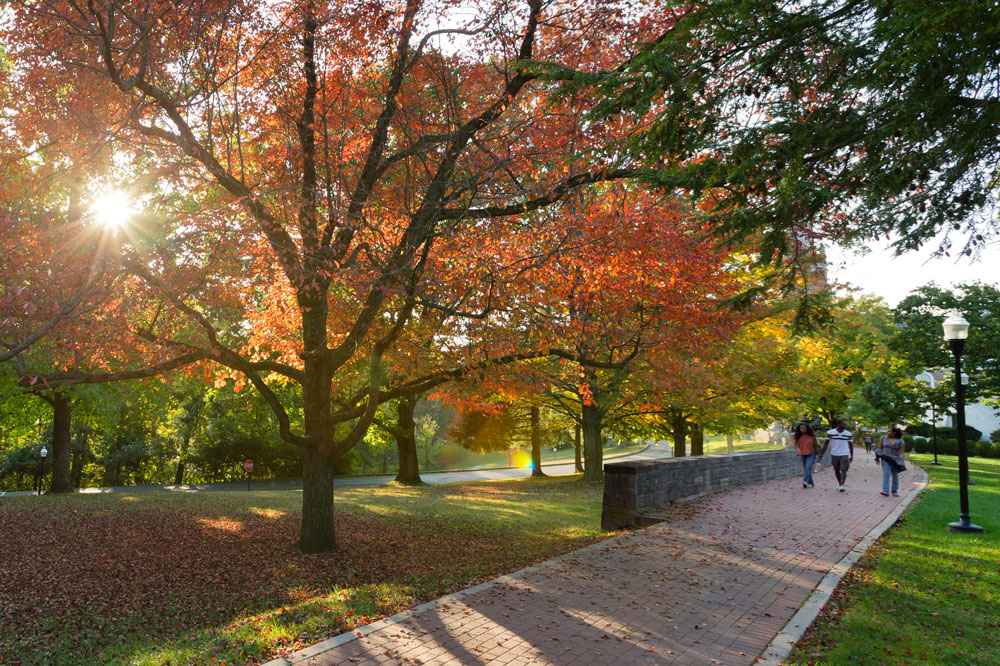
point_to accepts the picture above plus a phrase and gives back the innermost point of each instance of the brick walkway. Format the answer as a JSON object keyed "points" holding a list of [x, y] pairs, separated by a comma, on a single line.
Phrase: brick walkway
{"points": [[714, 585]]}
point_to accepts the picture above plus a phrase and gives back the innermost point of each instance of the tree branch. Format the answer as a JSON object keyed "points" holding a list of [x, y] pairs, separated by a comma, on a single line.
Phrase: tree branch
{"points": [[554, 195]]}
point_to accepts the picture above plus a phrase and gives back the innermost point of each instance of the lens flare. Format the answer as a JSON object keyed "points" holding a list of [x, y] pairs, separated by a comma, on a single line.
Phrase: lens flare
{"points": [[112, 209]]}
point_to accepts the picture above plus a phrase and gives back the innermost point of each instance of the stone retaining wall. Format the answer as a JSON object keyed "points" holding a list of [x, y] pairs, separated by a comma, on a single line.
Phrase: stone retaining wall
{"points": [[636, 487]]}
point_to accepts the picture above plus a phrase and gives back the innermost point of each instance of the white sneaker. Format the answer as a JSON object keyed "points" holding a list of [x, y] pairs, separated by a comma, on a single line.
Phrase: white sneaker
{"points": [[841, 488]]}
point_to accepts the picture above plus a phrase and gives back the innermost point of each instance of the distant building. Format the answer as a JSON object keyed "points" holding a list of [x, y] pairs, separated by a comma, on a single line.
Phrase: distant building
{"points": [[979, 415]]}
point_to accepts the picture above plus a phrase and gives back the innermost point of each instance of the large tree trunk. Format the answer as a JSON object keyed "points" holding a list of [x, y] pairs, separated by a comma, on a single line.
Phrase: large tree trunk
{"points": [[593, 468], [62, 412], [316, 534], [697, 440], [317, 531], [578, 450], [406, 441], [536, 443], [679, 424]]}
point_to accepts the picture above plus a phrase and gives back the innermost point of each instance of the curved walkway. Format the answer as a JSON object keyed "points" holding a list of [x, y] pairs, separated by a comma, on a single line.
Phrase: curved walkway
{"points": [[733, 579]]}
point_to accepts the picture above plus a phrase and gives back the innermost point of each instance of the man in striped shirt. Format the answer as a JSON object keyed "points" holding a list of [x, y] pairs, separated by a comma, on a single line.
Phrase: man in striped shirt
{"points": [[840, 441]]}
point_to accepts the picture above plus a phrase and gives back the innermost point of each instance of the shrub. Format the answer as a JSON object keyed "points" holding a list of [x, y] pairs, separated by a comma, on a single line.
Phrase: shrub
{"points": [[943, 432], [983, 448], [950, 447], [995, 436]]}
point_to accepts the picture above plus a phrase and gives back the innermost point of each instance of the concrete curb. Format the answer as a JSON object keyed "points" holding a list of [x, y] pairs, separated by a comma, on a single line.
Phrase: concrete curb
{"points": [[782, 644]]}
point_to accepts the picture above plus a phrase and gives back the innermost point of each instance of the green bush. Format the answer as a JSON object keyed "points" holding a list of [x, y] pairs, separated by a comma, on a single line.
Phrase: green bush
{"points": [[983, 448], [925, 430], [950, 447]]}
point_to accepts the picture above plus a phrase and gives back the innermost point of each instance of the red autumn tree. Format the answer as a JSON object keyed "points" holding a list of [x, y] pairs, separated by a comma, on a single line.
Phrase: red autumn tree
{"points": [[634, 293], [324, 152]]}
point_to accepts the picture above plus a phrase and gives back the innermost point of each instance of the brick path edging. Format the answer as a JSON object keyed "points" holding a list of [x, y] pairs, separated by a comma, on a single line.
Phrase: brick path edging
{"points": [[359, 632], [782, 644]]}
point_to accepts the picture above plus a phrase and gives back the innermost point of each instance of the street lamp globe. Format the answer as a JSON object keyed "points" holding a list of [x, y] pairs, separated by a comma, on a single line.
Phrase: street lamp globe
{"points": [[44, 452], [955, 327]]}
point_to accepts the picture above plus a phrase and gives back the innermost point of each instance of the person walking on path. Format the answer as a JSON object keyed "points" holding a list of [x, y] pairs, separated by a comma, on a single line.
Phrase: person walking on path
{"points": [[868, 442], [807, 446], [840, 441], [890, 450]]}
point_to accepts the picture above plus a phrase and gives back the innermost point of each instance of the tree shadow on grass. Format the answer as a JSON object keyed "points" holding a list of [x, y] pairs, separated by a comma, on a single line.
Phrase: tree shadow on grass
{"points": [[104, 578]]}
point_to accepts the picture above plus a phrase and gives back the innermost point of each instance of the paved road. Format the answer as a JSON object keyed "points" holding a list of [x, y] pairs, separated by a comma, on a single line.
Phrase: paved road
{"points": [[713, 586], [363, 481]]}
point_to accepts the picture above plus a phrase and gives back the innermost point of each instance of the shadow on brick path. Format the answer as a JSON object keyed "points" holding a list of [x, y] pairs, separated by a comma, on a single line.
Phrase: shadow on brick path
{"points": [[713, 585]]}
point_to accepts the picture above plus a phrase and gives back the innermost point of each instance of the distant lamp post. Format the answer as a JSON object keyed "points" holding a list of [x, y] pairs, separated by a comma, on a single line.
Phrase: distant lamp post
{"points": [[934, 432], [41, 473], [956, 330], [934, 415]]}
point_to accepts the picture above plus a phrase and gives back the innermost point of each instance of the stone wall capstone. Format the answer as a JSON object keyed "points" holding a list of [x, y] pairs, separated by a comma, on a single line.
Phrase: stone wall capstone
{"points": [[635, 487]]}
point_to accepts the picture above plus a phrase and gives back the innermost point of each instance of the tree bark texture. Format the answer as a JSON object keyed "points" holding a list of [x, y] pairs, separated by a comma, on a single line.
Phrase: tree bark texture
{"points": [[316, 535], [406, 441], [593, 467], [697, 440], [536, 443], [62, 413], [679, 434]]}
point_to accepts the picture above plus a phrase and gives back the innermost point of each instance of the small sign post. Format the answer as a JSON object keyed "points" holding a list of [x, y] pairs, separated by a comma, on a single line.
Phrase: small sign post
{"points": [[248, 466]]}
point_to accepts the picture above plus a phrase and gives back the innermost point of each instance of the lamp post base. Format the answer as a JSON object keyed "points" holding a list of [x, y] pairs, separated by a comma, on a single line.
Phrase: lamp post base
{"points": [[964, 525], [935, 462]]}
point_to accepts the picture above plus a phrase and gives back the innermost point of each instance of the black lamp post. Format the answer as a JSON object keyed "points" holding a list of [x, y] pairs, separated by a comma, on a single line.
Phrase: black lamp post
{"points": [[41, 474], [956, 330]]}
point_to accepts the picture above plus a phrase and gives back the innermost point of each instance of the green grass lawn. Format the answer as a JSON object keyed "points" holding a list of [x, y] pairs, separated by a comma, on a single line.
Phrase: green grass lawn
{"points": [[213, 578], [921, 595], [718, 446]]}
